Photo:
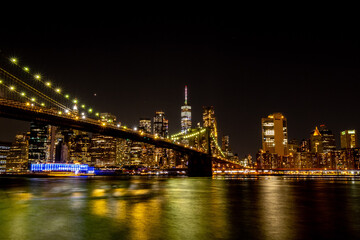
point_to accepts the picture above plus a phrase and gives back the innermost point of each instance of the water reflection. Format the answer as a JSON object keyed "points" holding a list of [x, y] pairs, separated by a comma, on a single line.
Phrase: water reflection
{"points": [[179, 208]]}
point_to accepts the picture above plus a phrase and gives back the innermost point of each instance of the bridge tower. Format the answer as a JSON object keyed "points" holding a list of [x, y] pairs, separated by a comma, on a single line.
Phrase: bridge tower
{"points": [[200, 165]]}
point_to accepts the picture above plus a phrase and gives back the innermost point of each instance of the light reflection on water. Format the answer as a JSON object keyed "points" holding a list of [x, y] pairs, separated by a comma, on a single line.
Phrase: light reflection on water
{"points": [[179, 208]]}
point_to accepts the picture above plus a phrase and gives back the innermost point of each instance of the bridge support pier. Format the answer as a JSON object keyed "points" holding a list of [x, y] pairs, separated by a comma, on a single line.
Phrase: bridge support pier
{"points": [[199, 165]]}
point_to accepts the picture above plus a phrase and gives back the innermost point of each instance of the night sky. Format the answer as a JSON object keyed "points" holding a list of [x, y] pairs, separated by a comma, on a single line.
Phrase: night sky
{"points": [[138, 65]]}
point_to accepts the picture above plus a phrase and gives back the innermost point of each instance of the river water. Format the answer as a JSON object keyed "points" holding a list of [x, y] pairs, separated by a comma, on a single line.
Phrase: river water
{"points": [[179, 208]]}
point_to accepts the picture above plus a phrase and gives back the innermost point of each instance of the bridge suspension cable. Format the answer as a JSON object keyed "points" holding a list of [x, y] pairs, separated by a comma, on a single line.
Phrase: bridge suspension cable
{"points": [[44, 94]]}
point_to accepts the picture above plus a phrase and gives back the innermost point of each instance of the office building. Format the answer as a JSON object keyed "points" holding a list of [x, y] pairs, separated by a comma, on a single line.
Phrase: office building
{"points": [[161, 125], [348, 139], [79, 147], [328, 139], [145, 125], [4, 151], [39, 142], [322, 140], [274, 134], [18, 157], [103, 150]]}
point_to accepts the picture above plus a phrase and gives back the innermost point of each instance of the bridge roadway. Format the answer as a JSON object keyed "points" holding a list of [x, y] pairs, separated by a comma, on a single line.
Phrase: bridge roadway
{"points": [[200, 163]]}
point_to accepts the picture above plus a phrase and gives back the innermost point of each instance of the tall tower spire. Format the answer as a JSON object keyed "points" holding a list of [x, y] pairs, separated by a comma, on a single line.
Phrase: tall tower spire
{"points": [[185, 114]]}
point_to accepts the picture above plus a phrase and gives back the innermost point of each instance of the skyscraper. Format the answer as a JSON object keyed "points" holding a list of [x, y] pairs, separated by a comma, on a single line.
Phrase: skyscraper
{"points": [[161, 125], [328, 139], [4, 151], [185, 114], [322, 140], [39, 142], [274, 134], [348, 139], [18, 157], [145, 125]]}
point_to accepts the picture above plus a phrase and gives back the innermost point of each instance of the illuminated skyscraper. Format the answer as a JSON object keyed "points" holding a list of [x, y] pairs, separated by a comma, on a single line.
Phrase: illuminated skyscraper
{"points": [[328, 139], [161, 125], [145, 125], [185, 114], [274, 134], [322, 140], [39, 142], [348, 139], [103, 150], [4, 151], [18, 157]]}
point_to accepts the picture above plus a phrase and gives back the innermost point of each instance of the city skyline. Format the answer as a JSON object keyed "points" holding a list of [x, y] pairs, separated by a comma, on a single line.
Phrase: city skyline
{"points": [[244, 75]]}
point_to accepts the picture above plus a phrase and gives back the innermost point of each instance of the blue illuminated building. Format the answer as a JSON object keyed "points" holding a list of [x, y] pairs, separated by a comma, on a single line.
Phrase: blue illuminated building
{"points": [[48, 167]]}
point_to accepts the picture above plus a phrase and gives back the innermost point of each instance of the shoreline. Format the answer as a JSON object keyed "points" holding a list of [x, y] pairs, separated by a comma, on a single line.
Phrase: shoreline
{"points": [[37, 175]]}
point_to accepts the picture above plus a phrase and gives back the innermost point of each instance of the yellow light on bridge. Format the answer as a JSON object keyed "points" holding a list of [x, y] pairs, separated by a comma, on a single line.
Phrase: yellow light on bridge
{"points": [[67, 96], [13, 60], [97, 114], [58, 90], [48, 84], [75, 101], [90, 110], [37, 76], [26, 69], [22, 94], [83, 106], [103, 124], [43, 104], [12, 88]]}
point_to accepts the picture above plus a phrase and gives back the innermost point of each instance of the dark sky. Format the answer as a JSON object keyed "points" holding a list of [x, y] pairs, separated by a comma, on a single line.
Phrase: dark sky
{"points": [[137, 65]]}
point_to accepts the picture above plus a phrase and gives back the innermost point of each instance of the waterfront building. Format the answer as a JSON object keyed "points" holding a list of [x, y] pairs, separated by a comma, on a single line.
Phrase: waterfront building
{"points": [[4, 151], [348, 139], [136, 153], [274, 134], [185, 114], [39, 142], [161, 125], [145, 125], [79, 147], [103, 150], [123, 148], [18, 157]]}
